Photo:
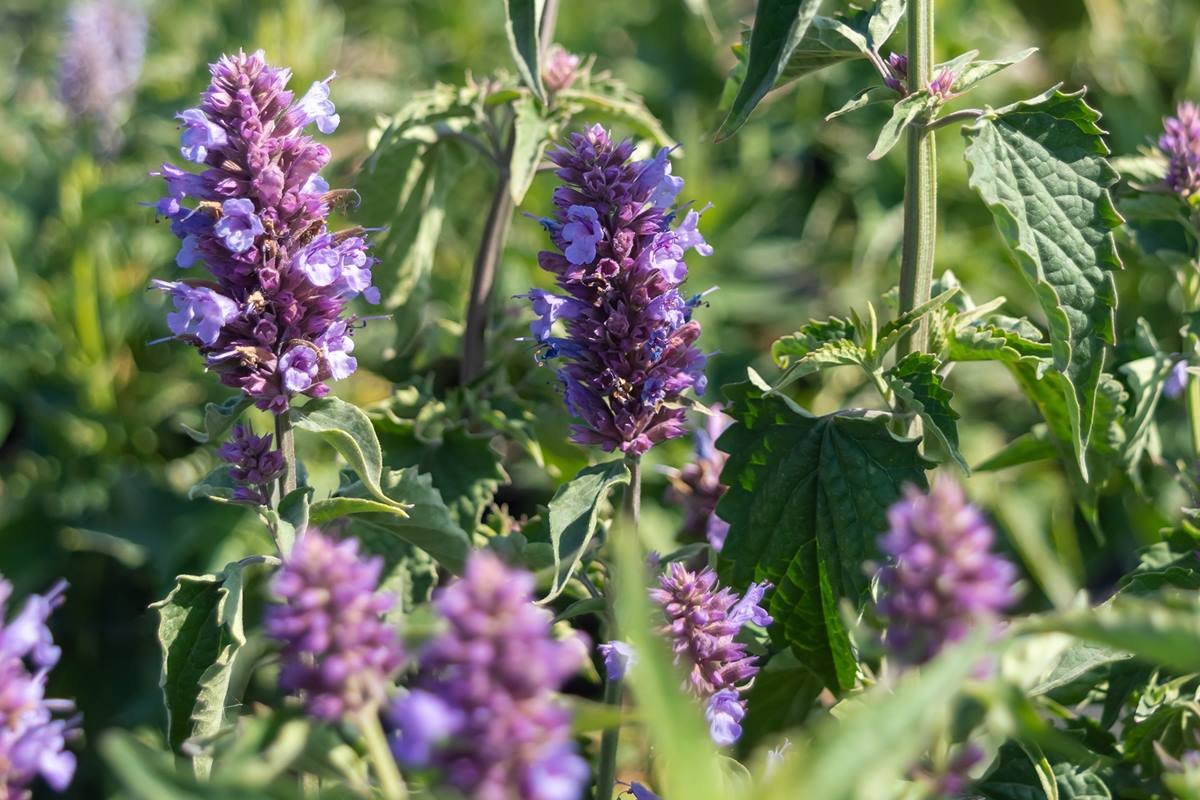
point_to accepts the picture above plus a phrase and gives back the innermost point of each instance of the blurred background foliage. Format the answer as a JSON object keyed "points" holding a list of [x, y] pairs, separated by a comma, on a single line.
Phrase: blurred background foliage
{"points": [[95, 466]]}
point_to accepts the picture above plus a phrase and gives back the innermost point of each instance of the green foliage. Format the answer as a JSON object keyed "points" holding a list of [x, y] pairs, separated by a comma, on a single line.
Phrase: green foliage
{"points": [[917, 383], [348, 429], [219, 418], [573, 517], [911, 110], [1022, 158], [522, 23], [805, 505]]}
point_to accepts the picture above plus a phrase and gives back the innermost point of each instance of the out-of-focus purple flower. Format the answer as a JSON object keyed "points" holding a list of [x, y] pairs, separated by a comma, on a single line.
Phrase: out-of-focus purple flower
{"points": [[702, 624], [943, 578], [257, 218], [897, 65], [1177, 379], [32, 739], [630, 344], [1180, 142], [637, 791], [200, 312], [482, 709], [619, 657], [338, 652], [104, 42], [561, 69], [956, 777], [697, 487], [253, 465], [942, 85]]}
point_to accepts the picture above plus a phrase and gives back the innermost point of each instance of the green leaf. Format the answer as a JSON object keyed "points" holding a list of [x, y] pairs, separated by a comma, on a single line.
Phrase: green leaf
{"points": [[858, 100], [918, 384], [806, 503], [1145, 378], [219, 418], [348, 429], [423, 520], [522, 21], [779, 28], [1077, 661], [906, 111], [217, 485], [574, 517], [200, 632], [612, 98], [782, 698], [1025, 449], [532, 133], [1039, 166], [985, 342], [976, 71], [838, 353], [812, 336], [892, 332]]}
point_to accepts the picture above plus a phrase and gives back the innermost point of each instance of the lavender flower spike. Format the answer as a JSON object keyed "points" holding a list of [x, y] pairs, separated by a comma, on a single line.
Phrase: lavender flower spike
{"points": [[337, 650], [103, 46], [253, 465], [943, 578], [271, 318], [482, 709], [629, 349], [702, 623], [1180, 142], [32, 740]]}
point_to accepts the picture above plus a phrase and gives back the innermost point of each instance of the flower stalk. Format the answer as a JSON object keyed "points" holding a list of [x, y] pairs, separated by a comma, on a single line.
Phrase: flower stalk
{"points": [[285, 439], [382, 762], [483, 276]]}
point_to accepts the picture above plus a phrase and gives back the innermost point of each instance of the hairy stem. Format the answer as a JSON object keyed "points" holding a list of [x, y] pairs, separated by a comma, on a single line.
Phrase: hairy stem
{"points": [[285, 440], [920, 188], [549, 20], [483, 278], [384, 765]]}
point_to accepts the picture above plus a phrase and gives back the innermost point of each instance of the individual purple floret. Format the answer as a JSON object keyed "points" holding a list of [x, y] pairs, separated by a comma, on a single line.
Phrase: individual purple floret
{"points": [[253, 465], [943, 578], [697, 487], [32, 739], [702, 623], [629, 349], [104, 42], [271, 321], [338, 651], [561, 69], [482, 709], [897, 65], [1180, 143], [618, 657], [942, 85], [1177, 379]]}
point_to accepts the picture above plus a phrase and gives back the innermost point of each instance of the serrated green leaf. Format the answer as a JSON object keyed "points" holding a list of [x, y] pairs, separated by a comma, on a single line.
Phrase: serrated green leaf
{"points": [[779, 28], [219, 418], [522, 21], [806, 503], [1039, 166], [348, 430], [199, 632], [573, 517], [905, 112], [838, 353], [812, 336], [531, 134], [917, 383], [987, 342], [895, 330], [415, 513]]}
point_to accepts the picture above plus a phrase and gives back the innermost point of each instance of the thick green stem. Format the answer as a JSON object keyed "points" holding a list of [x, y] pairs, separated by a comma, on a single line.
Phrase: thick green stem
{"points": [[391, 784], [631, 511], [285, 440], [920, 188], [1193, 409], [483, 278]]}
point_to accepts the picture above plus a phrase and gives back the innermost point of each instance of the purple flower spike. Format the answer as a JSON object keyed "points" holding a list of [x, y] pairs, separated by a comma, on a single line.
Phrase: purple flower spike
{"points": [[32, 741], [482, 709], [104, 43], [254, 466], [1180, 143], [702, 623], [257, 219], [943, 578], [338, 652], [630, 338]]}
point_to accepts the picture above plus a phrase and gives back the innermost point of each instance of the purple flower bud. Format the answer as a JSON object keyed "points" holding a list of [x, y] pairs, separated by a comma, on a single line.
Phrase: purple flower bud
{"points": [[724, 714], [618, 657], [1177, 379], [200, 312], [338, 651], [254, 466], [942, 85], [697, 487], [1180, 142], [897, 65], [561, 69], [943, 578]]}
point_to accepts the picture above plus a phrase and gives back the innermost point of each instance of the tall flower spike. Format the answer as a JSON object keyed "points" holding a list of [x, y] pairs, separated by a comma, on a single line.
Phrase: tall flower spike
{"points": [[943, 578], [271, 319], [338, 651], [702, 623], [104, 42], [629, 349], [32, 739], [1180, 142], [482, 709], [697, 487]]}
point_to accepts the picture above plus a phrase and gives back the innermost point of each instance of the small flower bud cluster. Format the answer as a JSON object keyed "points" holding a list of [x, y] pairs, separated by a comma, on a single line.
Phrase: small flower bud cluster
{"points": [[561, 69], [253, 465], [270, 320], [338, 651], [1180, 142], [702, 625], [697, 487], [482, 709]]}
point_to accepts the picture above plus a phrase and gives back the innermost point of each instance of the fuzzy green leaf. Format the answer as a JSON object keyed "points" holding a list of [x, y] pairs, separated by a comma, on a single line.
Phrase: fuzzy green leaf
{"points": [[574, 517], [806, 503], [906, 111], [219, 418], [532, 133], [522, 20], [812, 336], [1040, 166], [348, 429], [976, 71], [918, 384]]}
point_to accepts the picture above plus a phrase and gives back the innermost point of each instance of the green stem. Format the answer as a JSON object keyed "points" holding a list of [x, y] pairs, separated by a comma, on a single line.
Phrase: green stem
{"points": [[285, 440], [920, 188], [382, 762], [483, 277]]}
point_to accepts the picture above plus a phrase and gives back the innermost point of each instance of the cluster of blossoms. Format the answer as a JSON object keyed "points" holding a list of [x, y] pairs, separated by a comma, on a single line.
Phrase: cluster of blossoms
{"points": [[702, 625], [482, 709], [697, 487], [32, 739], [943, 578], [270, 321], [630, 334], [253, 465], [896, 78], [337, 648], [101, 58], [561, 69], [1180, 142]]}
